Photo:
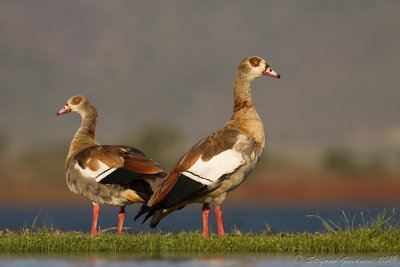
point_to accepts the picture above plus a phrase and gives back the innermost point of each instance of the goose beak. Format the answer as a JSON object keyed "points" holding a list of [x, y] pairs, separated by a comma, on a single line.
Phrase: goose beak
{"points": [[65, 109], [270, 72]]}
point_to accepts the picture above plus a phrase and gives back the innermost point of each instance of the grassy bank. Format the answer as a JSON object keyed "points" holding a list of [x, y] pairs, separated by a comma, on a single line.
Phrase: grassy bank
{"points": [[348, 241], [380, 234]]}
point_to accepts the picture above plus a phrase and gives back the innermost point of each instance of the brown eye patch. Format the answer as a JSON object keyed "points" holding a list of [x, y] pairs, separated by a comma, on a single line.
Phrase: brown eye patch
{"points": [[255, 61], [76, 100]]}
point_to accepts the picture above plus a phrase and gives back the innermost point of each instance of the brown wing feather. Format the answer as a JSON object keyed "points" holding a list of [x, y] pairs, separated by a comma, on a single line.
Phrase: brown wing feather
{"points": [[141, 165], [218, 142], [117, 157], [110, 157], [206, 148], [164, 188], [91, 156]]}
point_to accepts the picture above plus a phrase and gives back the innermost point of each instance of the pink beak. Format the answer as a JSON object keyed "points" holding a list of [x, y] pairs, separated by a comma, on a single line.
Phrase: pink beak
{"points": [[65, 109], [269, 72]]}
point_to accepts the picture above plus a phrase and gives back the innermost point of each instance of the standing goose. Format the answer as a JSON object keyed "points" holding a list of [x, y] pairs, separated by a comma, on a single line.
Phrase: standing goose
{"points": [[113, 175], [220, 162]]}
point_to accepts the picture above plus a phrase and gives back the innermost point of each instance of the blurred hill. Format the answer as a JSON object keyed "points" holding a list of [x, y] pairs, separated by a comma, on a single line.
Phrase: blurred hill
{"points": [[342, 177], [174, 63], [161, 76]]}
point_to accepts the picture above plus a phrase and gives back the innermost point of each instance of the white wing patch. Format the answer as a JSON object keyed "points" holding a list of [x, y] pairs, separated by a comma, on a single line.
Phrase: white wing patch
{"points": [[206, 172], [101, 173]]}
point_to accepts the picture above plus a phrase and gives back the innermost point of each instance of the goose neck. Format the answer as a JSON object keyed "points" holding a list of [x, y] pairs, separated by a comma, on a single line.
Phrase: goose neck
{"points": [[242, 92], [84, 136]]}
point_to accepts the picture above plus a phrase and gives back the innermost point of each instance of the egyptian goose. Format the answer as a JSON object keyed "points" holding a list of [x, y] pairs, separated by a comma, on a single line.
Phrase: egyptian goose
{"points": [[220, 162], [114, 175]]}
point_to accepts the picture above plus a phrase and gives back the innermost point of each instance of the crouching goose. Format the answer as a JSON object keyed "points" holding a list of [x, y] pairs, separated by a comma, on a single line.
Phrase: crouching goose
{"points": [[220, 162], [115, 175]]}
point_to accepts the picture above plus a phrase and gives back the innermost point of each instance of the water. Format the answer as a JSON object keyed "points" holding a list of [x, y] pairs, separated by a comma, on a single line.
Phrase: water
{"points": [[243, 218], [198, 260]]}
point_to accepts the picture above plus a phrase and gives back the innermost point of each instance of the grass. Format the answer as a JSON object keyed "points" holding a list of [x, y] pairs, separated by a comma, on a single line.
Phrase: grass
{"points": [[379, 234]]}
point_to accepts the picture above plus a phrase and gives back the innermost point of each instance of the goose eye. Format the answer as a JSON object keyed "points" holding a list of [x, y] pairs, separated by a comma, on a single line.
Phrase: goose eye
{"points": [[76, 100], [254, 61]]}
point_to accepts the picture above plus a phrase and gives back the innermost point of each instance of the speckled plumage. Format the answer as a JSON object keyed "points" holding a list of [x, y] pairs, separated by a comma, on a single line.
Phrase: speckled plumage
{"points": [[114, 175], [244, 133]]}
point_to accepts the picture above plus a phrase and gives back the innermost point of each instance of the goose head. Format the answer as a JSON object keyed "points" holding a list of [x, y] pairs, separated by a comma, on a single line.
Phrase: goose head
{"points": [[253, 67], [79, 104]]}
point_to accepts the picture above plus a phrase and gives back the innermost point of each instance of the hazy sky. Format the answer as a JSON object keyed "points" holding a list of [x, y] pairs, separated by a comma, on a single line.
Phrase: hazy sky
{"points": [[174, 62]]}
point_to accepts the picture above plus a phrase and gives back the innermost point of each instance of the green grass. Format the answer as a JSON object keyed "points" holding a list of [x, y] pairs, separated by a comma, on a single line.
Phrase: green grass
{"points": [[380, 234]]}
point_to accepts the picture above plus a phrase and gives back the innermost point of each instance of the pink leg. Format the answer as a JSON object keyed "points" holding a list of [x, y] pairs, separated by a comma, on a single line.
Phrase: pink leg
{"points": [[121, 217], [96, 210], [218, 216], [206, 213]]}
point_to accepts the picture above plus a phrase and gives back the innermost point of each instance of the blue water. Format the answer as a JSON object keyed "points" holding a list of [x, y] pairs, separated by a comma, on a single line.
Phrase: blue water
{"points": [[194, 261], [243, 218]]}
